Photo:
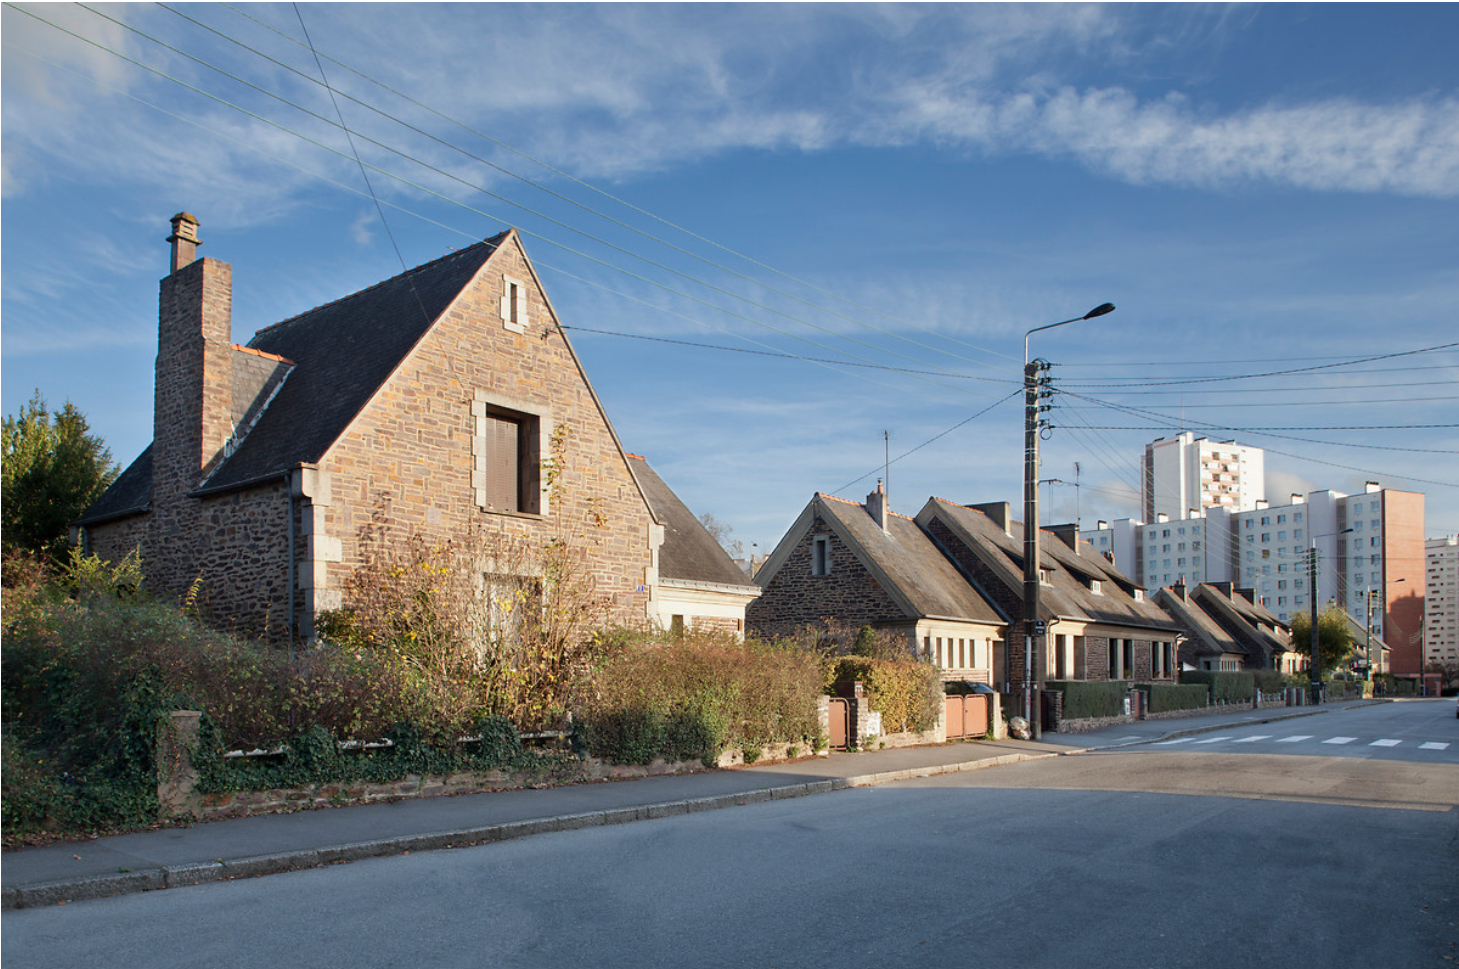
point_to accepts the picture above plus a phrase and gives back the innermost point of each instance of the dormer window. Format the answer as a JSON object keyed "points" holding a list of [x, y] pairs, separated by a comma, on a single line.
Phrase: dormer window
{"points": [[1139, 595]]}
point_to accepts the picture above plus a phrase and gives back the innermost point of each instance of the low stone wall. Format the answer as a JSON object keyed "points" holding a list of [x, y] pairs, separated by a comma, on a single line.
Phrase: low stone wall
{"points": [[1090, 724], [178, 795]]}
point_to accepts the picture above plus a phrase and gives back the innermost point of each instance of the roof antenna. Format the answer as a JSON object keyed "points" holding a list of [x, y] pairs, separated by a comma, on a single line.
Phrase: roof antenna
{"points": [[886, 439]]}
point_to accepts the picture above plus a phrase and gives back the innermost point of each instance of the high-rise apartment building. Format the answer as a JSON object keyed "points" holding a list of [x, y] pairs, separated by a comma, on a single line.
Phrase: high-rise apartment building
{"points": [[1185, 475], [1370, 561], [1369, 548], [1441, 602]]}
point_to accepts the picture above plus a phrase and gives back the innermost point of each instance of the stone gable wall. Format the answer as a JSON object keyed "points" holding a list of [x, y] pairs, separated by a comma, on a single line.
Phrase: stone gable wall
{"points": [[408, 459], [796, 598]]}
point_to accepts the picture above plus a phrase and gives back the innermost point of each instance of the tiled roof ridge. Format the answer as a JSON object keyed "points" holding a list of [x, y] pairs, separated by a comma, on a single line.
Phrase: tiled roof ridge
{"points": [[262, 353], [637, 457], [844, 501], [898, 514], [493, 241]]}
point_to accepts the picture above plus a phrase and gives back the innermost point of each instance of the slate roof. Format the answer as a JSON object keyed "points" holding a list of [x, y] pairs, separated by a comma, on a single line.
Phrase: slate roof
{"points": [[1251, 624], [917, 571], [129, 494], [689, 552], [1067, 593], [1204, 635], [305, 379], [342, 352]]}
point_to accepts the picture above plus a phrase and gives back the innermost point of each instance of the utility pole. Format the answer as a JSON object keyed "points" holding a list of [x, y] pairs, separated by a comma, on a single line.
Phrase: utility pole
{"points": [[1316, 671], [1033, 627]]}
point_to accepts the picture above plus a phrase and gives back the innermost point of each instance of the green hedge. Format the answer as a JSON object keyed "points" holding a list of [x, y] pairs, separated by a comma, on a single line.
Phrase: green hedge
{"points": [[1269, 681], [1236, 687], [1083, 700], [1164, 697]]}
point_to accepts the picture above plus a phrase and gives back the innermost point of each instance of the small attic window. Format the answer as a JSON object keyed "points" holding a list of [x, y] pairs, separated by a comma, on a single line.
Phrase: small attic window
{"points": [[1096, 586], [1043, 576], [821, 555], [514, 305]]}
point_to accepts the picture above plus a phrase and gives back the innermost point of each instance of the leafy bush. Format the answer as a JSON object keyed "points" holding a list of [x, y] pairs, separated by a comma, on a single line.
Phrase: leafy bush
{"points": [[1086, 699], [907, 693], [315, 757], [696, 697]]}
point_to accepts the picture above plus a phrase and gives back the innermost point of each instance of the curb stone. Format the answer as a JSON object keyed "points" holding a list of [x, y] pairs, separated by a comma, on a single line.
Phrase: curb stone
{"points": [[202, 873]]}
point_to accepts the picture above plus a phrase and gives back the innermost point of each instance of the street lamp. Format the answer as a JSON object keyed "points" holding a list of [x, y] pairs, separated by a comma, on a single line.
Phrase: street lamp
{"points": [[1316, 674], [1032, 425]]}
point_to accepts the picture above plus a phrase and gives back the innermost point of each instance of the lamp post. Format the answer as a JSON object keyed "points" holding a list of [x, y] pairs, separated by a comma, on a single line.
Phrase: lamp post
{"points": [[1032, 384], [1316, 673]]}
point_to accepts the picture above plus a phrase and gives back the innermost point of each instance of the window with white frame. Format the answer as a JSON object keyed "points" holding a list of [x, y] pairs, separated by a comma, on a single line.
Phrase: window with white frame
{"points": [[821, 555], [514, 305]]}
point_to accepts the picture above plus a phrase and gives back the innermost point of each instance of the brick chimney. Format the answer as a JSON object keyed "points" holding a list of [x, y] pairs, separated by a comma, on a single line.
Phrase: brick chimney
{"points": [[876, 506], [1068, 534], [999, 512], [193, 399]]}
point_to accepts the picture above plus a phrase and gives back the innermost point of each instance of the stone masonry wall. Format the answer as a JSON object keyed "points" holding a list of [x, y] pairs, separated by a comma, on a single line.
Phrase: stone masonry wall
{"points": [[408, 460], [795, 598]]}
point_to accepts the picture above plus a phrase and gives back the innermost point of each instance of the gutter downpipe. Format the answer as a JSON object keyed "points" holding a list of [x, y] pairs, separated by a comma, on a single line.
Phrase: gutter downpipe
{"points": [[289, 479]]}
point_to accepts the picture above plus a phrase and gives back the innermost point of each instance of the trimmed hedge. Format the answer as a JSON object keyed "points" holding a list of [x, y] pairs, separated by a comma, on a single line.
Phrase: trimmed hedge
{"points": [[1083, 700], [1269, 681], [1165, 697], [1231, 687]]}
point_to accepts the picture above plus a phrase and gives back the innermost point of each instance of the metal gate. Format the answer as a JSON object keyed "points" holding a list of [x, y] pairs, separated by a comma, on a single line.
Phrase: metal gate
{"points": [[840, 725], [967, 716]]}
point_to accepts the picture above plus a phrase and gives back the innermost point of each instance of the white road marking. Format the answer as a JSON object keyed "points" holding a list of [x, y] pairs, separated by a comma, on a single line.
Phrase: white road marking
{"points": [[1212, 740], [1294, 739], [1252, 740], [1177, 740], [1339, 740], [1385, 743], [1433, 745]]}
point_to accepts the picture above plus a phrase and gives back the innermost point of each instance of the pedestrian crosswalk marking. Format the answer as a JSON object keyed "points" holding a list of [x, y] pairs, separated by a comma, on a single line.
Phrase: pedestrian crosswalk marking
{"points": [[1293, 739], [1252, 740], [1433, 745], [1339, 740], [1385, 743]]}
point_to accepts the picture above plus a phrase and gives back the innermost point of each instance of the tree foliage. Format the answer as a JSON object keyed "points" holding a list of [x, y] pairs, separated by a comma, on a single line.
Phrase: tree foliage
{"points": [[1334, 636], [723, 533], [53, 468]]}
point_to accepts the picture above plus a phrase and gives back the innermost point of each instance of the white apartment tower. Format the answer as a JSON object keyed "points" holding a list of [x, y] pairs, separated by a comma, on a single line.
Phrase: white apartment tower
{"points": [[1185, 474], [1441, 604]]}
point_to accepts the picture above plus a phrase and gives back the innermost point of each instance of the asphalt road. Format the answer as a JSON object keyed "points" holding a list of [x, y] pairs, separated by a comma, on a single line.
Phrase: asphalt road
{"points": [[1145, 857]]}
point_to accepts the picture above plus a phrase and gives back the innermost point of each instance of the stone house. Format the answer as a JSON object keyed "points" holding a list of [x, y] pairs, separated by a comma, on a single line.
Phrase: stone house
{"points": [[951, 579], [445, 398], [1100, 625], [1227, 629], [865, 565]]}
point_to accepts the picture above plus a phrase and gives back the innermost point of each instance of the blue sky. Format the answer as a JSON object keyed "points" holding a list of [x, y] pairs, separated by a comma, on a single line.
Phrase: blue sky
{"points": [[1260, 190]]}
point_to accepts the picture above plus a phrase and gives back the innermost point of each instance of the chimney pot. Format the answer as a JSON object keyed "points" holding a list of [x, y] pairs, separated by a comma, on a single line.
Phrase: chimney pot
{"points": [[184, 240]]}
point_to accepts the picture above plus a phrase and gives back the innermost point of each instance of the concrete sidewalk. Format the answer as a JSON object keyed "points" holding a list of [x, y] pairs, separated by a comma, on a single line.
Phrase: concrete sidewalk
{"points": [[243, 847]]}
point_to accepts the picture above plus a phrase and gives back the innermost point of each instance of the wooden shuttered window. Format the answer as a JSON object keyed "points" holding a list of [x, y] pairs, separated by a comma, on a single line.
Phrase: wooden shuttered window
{"points": [[503, 452]]}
